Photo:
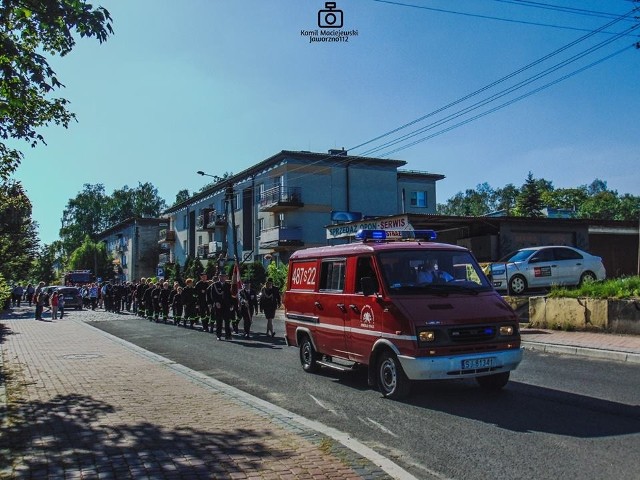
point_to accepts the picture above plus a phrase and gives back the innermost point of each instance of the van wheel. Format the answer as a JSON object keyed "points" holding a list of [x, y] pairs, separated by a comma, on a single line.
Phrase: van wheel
{"points": [[493, 382], [392, 381], [308, 356]]}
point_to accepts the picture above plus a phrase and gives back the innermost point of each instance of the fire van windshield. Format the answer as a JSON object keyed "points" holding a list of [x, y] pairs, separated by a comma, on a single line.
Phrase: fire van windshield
{"points": [[432, 271]]}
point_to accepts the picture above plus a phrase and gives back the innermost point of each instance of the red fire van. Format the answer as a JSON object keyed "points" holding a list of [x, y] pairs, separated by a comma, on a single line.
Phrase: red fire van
{"points": [[409, 309]]}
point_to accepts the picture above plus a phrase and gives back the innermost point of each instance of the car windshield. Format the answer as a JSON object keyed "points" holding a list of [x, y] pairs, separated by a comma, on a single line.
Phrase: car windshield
{"points": [[518, 256], [423, 271]]}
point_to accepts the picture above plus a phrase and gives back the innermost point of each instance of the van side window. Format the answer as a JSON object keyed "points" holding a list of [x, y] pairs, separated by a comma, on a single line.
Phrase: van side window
{"points": [[332, 275], [364, 268]]}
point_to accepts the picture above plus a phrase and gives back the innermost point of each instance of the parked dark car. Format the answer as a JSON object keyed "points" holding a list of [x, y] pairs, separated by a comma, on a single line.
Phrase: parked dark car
{"points": [[72, 297]]}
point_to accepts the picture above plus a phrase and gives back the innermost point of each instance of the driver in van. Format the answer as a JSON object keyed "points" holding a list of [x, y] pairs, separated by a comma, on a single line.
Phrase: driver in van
{"points": [[429, 273]]}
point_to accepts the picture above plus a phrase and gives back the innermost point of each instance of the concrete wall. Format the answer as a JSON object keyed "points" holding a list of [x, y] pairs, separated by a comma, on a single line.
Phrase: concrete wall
{"points": [[615, 316]]}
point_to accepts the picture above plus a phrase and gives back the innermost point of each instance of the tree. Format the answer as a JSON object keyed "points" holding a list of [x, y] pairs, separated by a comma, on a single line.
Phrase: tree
{"points": [[19, 237], [44, 268], [84, 215], [92, 256], [529, 201], [28, 30], [127, 203], [182, 196]]}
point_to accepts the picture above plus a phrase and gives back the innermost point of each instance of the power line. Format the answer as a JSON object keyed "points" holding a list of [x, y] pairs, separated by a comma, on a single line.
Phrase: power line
{"points": [[497, 82], [501, 93], [510, 102], [558, 8], [487, 17]]}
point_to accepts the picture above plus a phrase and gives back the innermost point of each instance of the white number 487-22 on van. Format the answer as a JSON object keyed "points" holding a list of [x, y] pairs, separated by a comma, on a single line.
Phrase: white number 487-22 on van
{"points": [[409, 309]]}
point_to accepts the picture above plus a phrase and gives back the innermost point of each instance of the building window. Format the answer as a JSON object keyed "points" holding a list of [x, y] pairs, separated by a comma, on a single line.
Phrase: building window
{"points": [[124, 261], [185, 222], [184, 247], [199, 239], [418, 199]]}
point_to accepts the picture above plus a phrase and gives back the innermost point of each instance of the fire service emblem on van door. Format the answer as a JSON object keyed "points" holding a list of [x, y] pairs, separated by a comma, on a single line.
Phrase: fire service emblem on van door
{"points": [[366, 317]]}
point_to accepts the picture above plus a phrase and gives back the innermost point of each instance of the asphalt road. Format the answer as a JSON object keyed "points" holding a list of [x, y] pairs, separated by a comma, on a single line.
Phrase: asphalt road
{"points": [[559, 417]]}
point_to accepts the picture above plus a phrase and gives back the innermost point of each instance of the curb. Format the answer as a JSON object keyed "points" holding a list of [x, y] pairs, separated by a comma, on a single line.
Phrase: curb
{"points": [[582, 351]]}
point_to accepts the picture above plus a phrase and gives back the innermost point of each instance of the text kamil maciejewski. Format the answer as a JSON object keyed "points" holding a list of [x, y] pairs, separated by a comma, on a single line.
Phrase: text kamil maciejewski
{"points": [[328, 35]]}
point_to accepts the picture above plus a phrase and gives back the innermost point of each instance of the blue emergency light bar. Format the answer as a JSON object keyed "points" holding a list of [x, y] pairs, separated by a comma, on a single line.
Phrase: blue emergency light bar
{"points": [[381, 235]]}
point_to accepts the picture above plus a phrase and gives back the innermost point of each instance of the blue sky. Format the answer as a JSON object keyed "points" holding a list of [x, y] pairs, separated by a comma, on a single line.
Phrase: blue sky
{"points": [[219, 85]]}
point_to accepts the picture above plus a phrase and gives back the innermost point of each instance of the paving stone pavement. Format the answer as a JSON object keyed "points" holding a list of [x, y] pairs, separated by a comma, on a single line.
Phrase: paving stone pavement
{"points": [[82, 405]]}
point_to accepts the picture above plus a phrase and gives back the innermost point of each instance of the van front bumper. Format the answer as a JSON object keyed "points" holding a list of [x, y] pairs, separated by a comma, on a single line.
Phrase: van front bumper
{"points": [[460, 366]]}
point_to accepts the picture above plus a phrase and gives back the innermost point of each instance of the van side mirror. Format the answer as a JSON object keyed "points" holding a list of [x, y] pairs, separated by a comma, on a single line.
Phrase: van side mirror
{"points": [[369, 286]]}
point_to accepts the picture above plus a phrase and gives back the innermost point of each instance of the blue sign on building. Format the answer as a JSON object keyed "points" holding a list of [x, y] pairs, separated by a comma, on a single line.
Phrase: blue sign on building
{"points": [[160, 272]]}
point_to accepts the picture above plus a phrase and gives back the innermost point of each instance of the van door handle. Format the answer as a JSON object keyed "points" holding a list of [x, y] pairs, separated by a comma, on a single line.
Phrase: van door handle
{"points": [[318, 305], [342, 307], [354, 308]]}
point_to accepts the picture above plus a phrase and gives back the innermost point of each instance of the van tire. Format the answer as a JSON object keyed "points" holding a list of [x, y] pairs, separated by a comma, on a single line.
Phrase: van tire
{"points": [[392, 381], [308, 356], [493, 382]]}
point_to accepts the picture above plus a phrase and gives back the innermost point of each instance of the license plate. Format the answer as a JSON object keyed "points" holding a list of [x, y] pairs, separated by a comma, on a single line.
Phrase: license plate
{"points": [[477, 363]]}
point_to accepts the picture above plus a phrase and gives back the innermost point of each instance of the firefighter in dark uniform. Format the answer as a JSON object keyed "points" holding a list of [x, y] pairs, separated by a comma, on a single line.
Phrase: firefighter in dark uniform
{"points": [[176, 305], [189, 299], [140, 289], [214, 300], [201, 293], [155, 296], [164, 301], [244, 302], [147, 299], [228, 311], [117, 292]]}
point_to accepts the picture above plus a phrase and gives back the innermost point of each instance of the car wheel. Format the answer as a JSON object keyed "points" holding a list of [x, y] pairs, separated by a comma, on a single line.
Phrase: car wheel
{"points": [[392, 381], [493, 382], [517, 284], [587, 277], [308, 356]]}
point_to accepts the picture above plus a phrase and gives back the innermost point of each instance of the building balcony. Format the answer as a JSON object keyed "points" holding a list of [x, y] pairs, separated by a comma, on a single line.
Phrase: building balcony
{"points": [[167, 235], [202, 221], [121, 247], [164, 246], [215, 248], [164, 258], [216, 220], [281, 238], [280, 199]]}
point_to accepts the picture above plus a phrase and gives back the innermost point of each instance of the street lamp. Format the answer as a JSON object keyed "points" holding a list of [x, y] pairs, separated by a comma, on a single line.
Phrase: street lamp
{"points": [[228, 194]]}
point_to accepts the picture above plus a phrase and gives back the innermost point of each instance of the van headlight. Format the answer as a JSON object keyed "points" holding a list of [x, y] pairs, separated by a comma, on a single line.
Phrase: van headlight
{"points": [[426, 336], [507, 330]]}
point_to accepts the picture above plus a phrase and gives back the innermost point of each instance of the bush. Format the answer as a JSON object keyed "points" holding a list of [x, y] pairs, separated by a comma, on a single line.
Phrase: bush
{"points": [[5, 293], [617, 288]]}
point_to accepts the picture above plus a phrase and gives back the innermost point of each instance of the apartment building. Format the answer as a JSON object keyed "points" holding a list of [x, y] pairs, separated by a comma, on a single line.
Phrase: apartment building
{"points": [[133, 245], [286, 201]]}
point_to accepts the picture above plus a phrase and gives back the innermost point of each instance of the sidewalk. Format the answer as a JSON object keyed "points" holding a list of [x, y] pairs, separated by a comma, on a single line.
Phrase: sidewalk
{"points": [[83, 404], [80, 403]]}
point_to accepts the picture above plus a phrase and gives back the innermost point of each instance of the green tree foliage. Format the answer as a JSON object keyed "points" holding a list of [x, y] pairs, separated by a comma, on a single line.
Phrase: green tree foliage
{"points": [[44, 268], [92, 256], [593, 201], [29, 30], [84, 215], [18, 232], [278, 272], [127, 203], [529, 201], [182, 196], [93, 211], [253, 273], [5, 293]]}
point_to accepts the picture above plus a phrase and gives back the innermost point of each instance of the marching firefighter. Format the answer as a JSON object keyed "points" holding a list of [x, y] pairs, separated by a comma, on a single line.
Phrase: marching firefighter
{"points": [[189, 299], [201, 295]]}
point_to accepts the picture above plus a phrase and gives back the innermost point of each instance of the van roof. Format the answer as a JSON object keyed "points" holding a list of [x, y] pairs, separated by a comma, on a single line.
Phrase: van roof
{"points": [[370, 247]]}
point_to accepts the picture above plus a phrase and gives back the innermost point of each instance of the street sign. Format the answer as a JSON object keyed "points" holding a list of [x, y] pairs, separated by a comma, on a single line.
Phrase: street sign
{"points": [[160, 272]]}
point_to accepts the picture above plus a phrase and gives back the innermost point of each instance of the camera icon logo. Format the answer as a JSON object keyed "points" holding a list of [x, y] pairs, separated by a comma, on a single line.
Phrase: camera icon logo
{"points": [[330, 17]]}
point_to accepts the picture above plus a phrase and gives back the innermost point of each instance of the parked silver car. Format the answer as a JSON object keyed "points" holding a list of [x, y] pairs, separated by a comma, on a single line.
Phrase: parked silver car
{"points": [[541, 267]]}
